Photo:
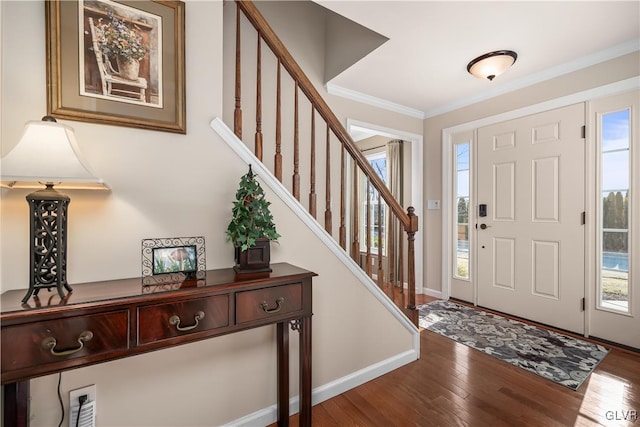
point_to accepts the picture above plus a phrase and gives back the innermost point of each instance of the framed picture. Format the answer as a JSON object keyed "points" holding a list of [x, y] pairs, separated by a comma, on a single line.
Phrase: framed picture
{"points": [[172, 260], [117, 62]]}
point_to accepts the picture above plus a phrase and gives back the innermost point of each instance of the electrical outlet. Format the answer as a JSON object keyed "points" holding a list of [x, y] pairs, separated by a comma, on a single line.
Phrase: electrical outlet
{"points": [[89, 390]]}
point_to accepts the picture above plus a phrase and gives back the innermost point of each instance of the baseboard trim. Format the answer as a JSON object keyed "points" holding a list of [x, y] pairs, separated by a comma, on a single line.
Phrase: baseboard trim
{"points": [[324, 392], [432, 293], [267, 415]]}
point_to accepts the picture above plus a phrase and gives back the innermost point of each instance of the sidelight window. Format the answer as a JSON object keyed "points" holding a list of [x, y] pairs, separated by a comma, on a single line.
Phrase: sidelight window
{"points": [[614, 208], [461, 211]]}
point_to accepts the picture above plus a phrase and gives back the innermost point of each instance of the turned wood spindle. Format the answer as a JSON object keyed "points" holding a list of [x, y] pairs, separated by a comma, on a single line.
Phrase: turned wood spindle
{"points": [[258, 138], [312, 191], [296, 148], [327, 212], [277, 161]]}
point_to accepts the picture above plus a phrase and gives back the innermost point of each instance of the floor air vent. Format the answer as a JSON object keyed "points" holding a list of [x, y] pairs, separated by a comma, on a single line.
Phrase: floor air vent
{"points": [[87, 415]]}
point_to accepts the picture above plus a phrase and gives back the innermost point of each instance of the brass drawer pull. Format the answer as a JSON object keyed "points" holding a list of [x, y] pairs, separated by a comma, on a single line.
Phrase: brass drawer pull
{"points": [[266, 309], [175, 321], [49, 343]]}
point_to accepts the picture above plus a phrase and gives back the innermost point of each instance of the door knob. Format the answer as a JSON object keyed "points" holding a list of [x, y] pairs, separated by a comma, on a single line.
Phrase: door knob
{"points": [[484, 226]]}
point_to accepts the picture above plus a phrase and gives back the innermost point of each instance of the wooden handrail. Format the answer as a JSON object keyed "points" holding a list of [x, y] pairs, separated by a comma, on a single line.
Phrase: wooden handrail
{"points": [[304, 84], [393, 275]]}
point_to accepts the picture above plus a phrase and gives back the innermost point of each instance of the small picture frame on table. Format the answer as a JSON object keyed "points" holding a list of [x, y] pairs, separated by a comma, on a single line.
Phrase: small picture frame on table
{"points": [[173, 262]]}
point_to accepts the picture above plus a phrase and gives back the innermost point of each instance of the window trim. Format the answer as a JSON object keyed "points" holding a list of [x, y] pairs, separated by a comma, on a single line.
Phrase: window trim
{"points": [[600, 303], [455, 224]]}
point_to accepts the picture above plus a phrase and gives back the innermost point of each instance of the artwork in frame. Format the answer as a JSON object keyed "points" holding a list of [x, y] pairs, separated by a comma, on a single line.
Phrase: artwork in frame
{"points": [[173, 260], [117, 62]]}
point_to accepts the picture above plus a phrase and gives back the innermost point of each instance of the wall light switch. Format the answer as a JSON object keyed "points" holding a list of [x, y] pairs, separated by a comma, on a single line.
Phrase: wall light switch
{"points": [[433, 204]]}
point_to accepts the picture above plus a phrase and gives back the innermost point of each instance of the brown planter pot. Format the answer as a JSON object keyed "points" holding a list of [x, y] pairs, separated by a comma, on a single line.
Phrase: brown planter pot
{"points": [[255, 259], [128, 68]]}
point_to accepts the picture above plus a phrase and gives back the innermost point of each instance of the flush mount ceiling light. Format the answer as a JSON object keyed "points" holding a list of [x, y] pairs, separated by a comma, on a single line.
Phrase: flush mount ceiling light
{"points": [[492, 64]]}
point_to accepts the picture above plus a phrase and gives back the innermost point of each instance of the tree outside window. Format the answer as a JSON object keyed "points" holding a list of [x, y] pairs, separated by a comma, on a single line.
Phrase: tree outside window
{"points": [[614, 181], [462, 211]]}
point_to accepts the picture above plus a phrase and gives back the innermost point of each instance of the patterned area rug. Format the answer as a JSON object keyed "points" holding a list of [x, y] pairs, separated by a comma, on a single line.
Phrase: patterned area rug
{"points": [[560, 358]]}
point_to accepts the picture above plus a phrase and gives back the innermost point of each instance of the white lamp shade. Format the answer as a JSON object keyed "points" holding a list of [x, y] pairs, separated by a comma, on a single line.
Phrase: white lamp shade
{"points": [[492, 64], [48, 153]]}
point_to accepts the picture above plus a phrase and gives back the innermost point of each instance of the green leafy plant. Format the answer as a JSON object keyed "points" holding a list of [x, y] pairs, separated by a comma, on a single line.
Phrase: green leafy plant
{"points": [[251, 217]]}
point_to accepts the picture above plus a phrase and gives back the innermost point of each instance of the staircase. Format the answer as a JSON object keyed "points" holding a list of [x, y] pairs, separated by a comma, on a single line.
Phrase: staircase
{"points": [[360, 218]]}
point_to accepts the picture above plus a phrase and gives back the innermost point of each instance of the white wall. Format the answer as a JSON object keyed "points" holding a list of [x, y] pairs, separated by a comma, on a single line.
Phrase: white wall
{"points": [[167, 185], [615, 70]]}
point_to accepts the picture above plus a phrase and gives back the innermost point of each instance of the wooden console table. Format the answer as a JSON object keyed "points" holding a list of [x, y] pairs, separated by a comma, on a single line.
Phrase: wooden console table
{"points": [[103, 321]]}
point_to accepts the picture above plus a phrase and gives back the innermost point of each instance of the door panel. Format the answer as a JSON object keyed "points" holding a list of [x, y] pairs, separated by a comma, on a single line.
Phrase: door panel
{"points": [[546, 265], [504, 263], [545, 190], [504, 193], [530, 172]]}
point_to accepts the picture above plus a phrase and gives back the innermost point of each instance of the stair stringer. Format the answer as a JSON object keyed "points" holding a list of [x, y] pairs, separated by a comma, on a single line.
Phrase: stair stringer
{"points": [[283, 193]]}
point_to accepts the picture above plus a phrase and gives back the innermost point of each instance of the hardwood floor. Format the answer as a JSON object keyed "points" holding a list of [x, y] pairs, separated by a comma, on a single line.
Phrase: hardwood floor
{"points": [[454, 385]]}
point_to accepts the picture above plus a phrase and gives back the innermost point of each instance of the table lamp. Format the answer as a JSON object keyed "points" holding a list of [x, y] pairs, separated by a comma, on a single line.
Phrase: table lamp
{"points": [[47, 155]]}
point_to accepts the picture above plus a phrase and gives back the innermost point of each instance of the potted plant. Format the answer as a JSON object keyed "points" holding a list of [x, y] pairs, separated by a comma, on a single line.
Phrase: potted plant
{"points": [[122, 42], [251, 228]]}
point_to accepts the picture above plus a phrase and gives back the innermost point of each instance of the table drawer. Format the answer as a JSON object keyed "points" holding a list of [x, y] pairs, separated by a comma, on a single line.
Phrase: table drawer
{"points": [[260, 304], [50, 341], [164, 321]]}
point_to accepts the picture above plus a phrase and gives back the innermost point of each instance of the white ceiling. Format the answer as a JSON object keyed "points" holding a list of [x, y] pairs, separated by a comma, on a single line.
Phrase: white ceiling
{"points": [[422, 68]]}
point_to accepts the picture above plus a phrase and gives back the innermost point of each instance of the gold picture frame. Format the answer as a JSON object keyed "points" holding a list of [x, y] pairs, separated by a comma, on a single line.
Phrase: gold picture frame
{"points": [[86, 80]]}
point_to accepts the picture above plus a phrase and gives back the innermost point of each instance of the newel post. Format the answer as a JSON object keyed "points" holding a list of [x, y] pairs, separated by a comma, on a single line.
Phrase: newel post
{"points": [[411, 261]]}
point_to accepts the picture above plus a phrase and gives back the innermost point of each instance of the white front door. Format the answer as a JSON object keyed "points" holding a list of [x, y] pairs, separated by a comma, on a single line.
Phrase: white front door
{"points": [[530, 245]]}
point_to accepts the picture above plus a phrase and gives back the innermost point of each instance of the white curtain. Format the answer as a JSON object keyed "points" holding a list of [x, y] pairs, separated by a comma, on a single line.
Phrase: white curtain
{"points": [[395, 175]]}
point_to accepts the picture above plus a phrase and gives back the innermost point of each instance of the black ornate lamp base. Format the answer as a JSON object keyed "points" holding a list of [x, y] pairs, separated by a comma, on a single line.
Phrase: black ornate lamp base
{"points": [[48, 231]]}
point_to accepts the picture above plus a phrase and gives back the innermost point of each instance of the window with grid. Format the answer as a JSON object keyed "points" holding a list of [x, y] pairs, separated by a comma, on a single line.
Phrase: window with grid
{"points": [[614, 227]]}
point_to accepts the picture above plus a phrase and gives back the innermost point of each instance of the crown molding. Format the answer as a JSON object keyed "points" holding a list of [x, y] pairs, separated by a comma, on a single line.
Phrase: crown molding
{"points": [[363, 98], [550, 73]]}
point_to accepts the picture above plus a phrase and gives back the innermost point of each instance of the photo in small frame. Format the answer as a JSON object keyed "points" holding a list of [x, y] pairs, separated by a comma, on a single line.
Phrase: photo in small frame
{"points": [[174, 259]]}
